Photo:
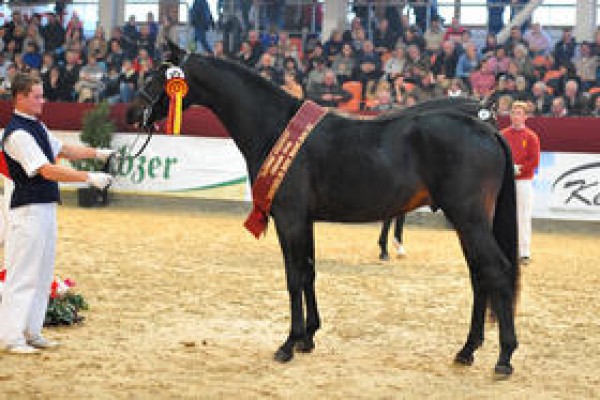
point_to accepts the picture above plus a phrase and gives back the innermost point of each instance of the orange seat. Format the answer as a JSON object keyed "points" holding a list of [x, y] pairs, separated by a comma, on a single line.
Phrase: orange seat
{"points": [[355, 89], [540, 61], [594, 90], [552, 74], [297, 42]]}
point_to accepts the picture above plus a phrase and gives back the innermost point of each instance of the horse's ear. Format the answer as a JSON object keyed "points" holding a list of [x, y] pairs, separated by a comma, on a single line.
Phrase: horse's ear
{"points": [[176, 54]]}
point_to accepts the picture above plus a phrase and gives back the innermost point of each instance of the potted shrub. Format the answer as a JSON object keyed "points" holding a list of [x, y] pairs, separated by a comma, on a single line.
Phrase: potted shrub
{"points": [[97, 132]]}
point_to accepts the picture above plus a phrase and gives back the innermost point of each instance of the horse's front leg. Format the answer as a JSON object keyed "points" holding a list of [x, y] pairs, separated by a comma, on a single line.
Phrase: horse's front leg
{"points": [[383, 239], [313, 321], [296, 241]]}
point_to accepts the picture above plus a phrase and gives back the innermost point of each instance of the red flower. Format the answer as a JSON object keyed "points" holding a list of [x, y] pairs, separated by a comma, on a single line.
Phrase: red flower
{"points": [[2, 275], [69, 282], [54, 288]]}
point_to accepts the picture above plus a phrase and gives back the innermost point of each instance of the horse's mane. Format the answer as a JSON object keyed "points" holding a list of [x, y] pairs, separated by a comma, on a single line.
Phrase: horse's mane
{"points": [[250, 76]]}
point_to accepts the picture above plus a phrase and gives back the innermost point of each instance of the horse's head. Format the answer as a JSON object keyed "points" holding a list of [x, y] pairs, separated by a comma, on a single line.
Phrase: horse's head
{"points": [[151, 103]]}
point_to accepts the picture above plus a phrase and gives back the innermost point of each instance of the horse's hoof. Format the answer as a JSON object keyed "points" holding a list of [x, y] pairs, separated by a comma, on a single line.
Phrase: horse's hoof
{"points": [[282, 355], [305, 346], [502, 372], [462, 359], [384, 256]]}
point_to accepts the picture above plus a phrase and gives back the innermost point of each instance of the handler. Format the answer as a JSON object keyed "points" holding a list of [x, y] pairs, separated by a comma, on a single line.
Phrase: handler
{"points": [[525, 147], [30, 151]]}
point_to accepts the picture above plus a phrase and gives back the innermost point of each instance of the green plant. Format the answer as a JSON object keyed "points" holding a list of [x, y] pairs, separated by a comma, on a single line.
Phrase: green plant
{"points": [[64, 310], [97, 131]]}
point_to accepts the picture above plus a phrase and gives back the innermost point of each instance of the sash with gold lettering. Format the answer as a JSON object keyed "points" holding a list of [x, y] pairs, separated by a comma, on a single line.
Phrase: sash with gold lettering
{"points": [[278, 162]]}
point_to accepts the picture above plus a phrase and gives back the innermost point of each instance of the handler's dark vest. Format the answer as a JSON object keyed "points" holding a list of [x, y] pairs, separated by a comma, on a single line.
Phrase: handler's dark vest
{"points": [[30, 190]]}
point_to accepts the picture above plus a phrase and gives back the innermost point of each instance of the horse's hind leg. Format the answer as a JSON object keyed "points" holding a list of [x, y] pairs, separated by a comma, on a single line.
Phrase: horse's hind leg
{"points": [[296, 242], [383, 239], [489, 272], [476, 332]]}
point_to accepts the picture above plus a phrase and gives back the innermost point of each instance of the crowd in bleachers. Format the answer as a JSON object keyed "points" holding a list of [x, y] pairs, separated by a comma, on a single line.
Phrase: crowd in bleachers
{"points": [[388, 65]]}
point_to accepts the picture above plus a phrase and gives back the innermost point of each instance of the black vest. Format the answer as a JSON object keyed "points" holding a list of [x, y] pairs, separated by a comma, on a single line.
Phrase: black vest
{"points": [[30, 190]]}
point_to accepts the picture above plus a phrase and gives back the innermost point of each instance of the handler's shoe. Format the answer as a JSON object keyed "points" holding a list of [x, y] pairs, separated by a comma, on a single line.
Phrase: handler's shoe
{"points": [[400, 252], [21, 349], [40, 342]]}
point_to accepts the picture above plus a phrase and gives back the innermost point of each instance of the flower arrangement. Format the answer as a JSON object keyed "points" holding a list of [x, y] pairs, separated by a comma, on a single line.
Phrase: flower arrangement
{"points": [[64, 304]]}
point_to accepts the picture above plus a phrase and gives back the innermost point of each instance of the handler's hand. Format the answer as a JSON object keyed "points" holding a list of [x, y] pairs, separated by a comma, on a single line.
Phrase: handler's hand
{"points": [[99, 179], [103, 154], [518, 169]]}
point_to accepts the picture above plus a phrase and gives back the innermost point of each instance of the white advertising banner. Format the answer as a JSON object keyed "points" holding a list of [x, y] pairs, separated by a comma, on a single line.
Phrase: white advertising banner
{"points": [[566, 185], [178, 165]]}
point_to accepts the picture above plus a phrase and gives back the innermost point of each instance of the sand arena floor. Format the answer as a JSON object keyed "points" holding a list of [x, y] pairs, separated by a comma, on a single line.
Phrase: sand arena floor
{"points": [[186, 304]]}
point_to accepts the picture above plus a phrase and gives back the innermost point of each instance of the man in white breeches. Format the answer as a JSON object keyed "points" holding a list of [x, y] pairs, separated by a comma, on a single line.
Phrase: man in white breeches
{"points": [[30, 151]]}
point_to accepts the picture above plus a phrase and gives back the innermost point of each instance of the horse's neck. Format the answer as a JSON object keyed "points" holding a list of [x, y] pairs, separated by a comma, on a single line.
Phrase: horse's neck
{"points": [[253, 114]]}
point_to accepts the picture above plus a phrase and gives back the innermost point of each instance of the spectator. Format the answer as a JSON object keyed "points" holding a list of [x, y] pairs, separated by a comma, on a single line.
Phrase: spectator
{"points": [[541, 99], [153, 26], [564, 49], [504, 105], [334, 45], [146, 41], [73, 25], [91, 81], [522, 92], [434, 35], [5, 85], [266, 67], [128, 81], [344, 64], [32, 57], [316, 76], [416, 61], [522, 62], [467, 62], [53, 33], [575, 103], [490, 45], [3, 40], [558, 108], [130, 38], [70, 72], [32, 35], [496, 15], [595, 107], [256, 47], [446, 60], [290, 66], [383, 101], [115, 55], [538, 40], [202, 21], [74, 41], [396, 64], [291, 85], [350, 34], [11, 26], [482, 80], [48, 62], [245, 55], [384, 39], [328, 93], [499, 63], [97, 45], [455, 31], [413, 37], [586, 66], [54, 90], [456, 89], [515, 38], [166, 31], [368, 65]]}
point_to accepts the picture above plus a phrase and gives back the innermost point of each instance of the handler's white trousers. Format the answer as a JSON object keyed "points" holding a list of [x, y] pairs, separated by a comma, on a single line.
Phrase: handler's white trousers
{"points": [[524, 211], [29, 256]]}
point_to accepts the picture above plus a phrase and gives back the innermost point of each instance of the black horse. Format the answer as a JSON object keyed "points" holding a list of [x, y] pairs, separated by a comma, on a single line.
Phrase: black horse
{"points": [[352, 170]]}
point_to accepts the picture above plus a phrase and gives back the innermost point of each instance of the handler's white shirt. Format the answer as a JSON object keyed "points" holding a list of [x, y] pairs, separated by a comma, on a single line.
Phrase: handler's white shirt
{"points": [[23, 148]]}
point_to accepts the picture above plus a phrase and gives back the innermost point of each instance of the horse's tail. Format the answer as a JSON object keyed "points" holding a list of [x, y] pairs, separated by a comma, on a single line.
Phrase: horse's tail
{"points": [[505, 227]]}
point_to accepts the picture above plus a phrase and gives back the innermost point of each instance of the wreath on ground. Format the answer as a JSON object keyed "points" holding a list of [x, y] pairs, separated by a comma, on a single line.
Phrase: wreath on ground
{"points": [[64, 303]]}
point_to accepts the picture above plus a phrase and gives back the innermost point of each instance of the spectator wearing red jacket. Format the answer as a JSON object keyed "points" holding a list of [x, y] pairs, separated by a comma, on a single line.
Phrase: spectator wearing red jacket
{"points": [[525, 147]]}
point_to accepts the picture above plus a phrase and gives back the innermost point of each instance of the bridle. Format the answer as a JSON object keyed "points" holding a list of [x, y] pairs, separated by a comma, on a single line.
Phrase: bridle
{"points": [[151, 102]]}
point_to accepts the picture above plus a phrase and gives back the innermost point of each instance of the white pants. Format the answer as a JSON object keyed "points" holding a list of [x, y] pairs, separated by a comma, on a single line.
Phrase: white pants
{"points": [[5, 205], [524, 208], [29, 258]]}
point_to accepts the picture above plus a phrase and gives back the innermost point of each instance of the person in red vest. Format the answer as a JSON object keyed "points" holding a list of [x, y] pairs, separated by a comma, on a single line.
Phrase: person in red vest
{"points": [[525, 146]]}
